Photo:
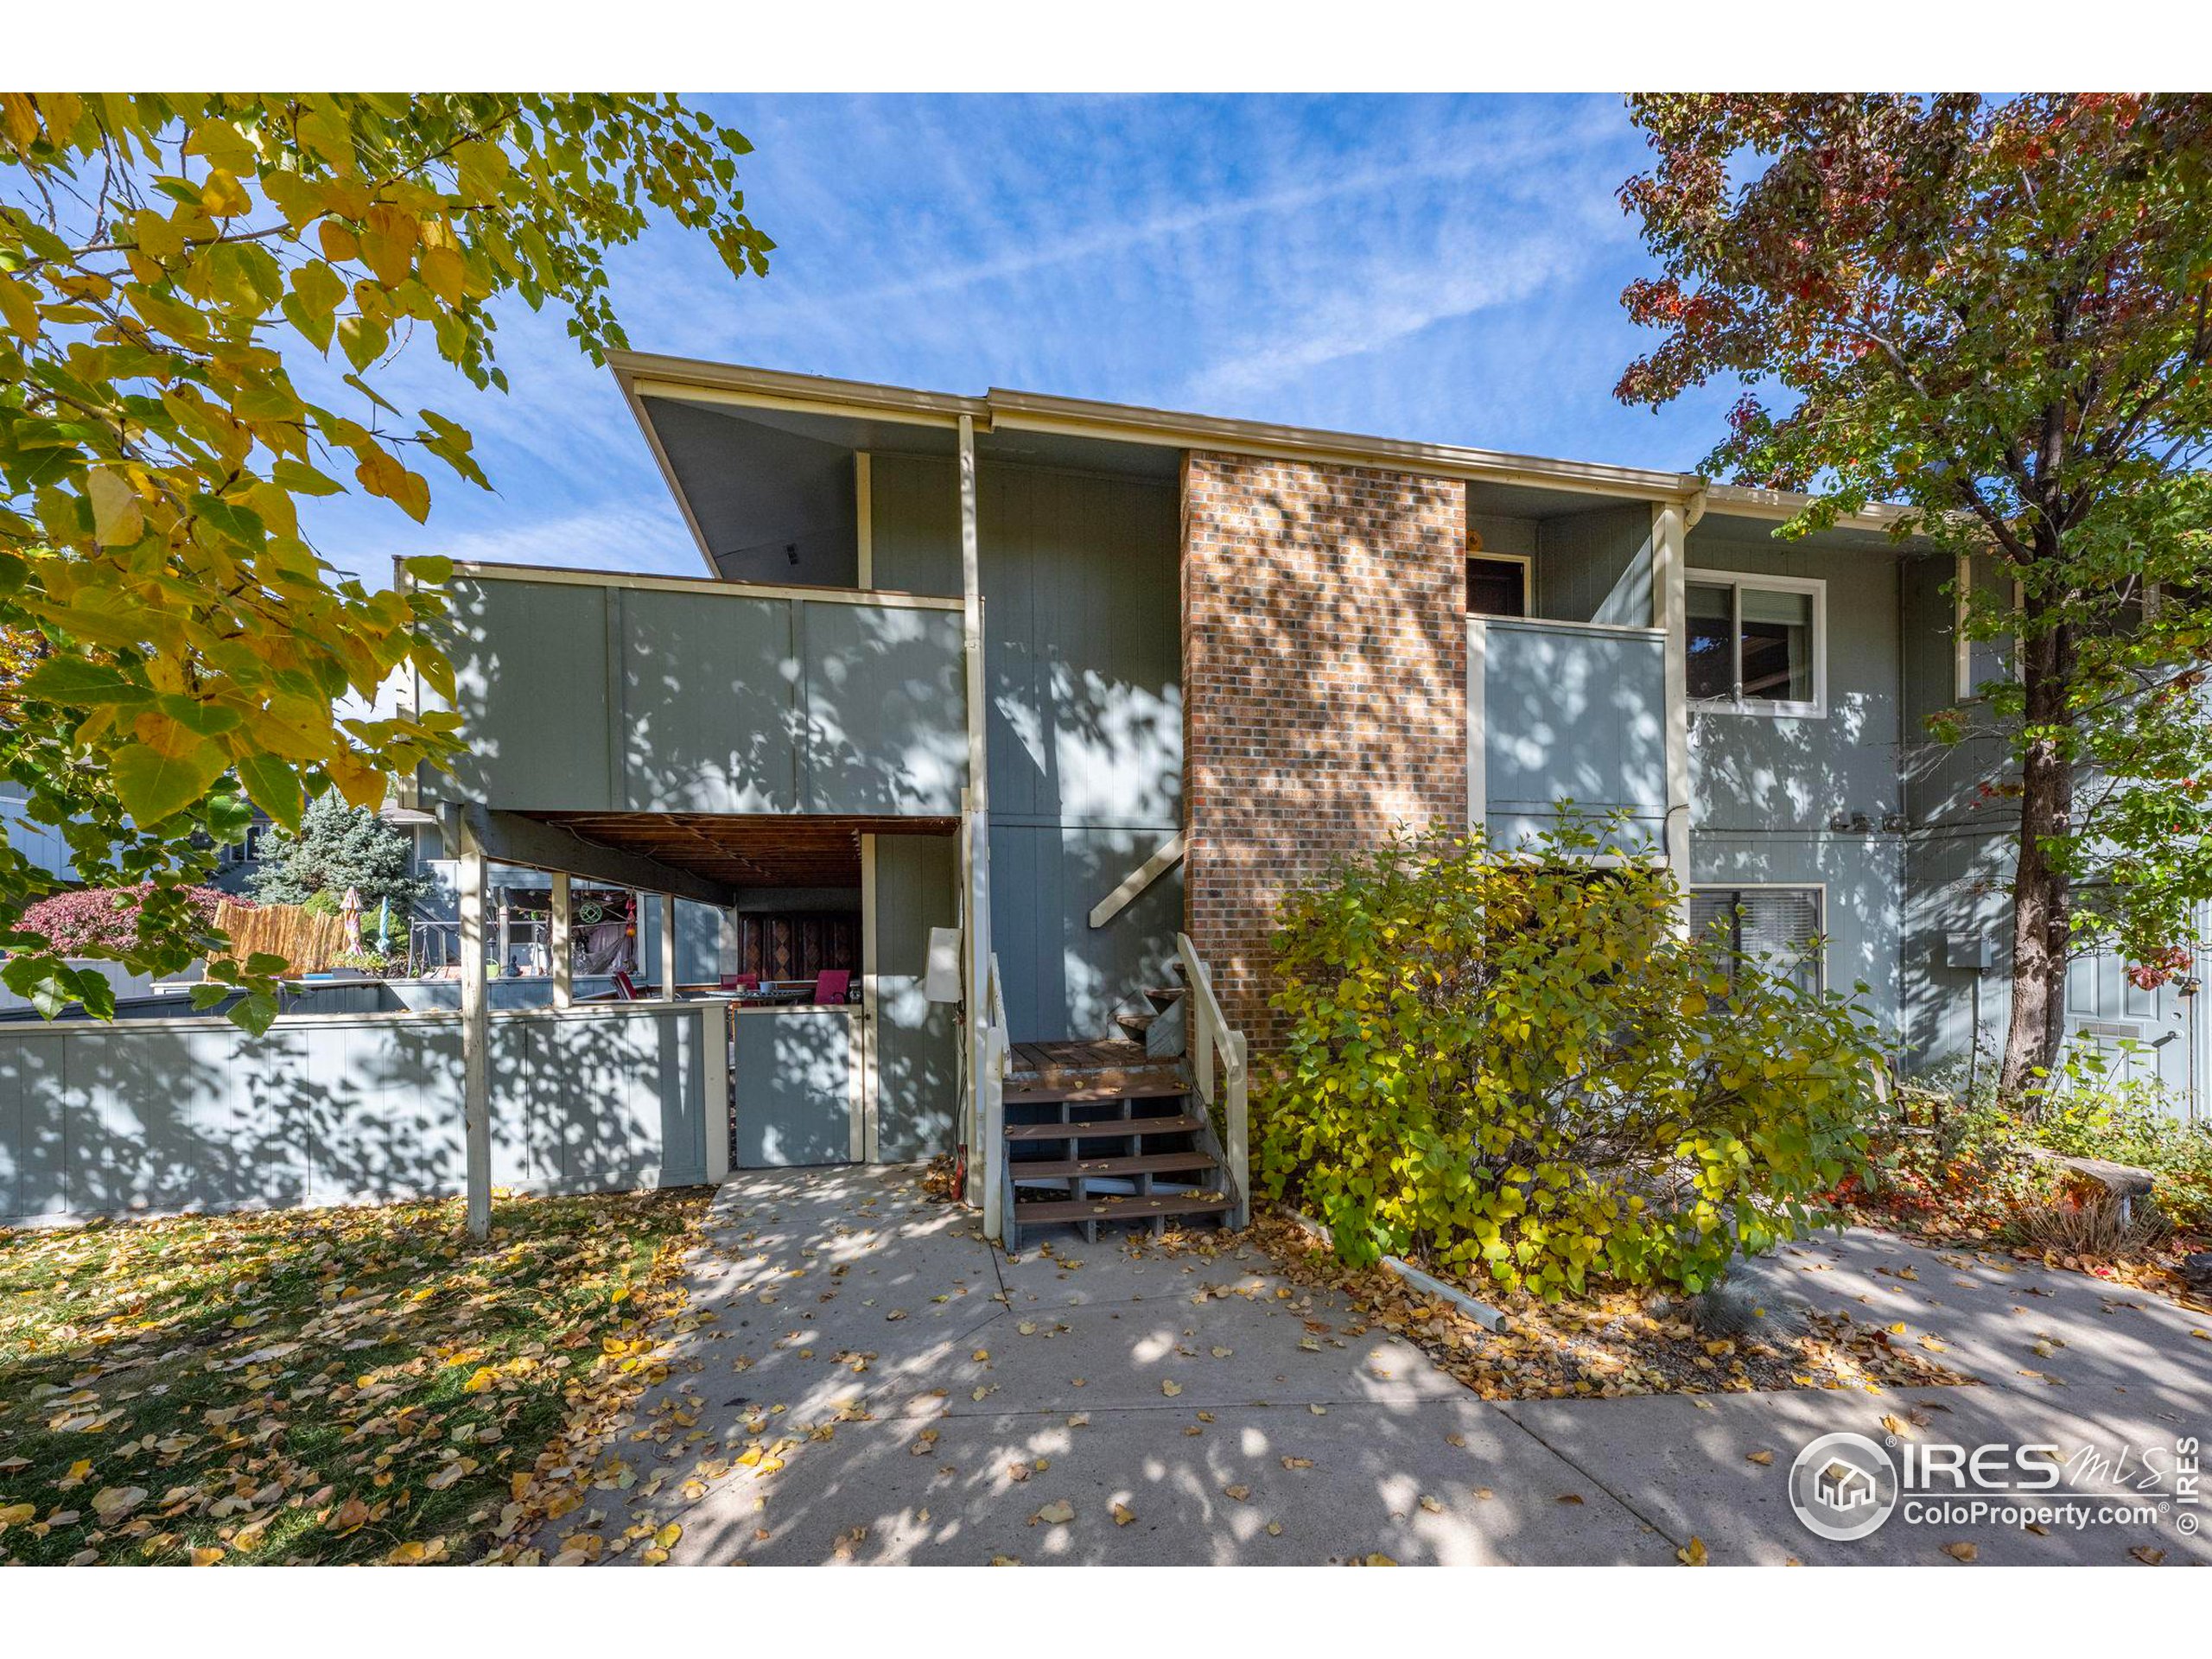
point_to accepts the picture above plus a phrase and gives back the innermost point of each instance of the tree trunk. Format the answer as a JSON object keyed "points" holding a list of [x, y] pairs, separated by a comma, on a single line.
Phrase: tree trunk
{"points": [[2042, 895], [2041, 917]]}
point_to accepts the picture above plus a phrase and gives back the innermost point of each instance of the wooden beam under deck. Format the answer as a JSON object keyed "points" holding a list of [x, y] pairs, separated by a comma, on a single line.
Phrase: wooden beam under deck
{"points": [[770, 850]]}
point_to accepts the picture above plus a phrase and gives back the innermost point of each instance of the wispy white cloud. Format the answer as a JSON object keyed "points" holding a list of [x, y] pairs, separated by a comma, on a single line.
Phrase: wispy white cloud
{"points": [[1444, 268], [1381, 304]]}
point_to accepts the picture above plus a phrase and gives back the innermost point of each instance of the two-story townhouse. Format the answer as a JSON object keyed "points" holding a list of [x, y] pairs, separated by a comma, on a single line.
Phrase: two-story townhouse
{"points": [[1034, 686]]}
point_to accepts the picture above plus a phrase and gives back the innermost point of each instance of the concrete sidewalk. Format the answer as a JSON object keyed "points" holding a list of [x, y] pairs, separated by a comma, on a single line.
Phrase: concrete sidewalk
{"points": [[927, 1401]]}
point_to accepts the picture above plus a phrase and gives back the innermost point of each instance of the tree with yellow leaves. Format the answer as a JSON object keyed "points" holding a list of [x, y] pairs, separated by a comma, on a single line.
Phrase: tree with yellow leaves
{"points": [[173, 650]]}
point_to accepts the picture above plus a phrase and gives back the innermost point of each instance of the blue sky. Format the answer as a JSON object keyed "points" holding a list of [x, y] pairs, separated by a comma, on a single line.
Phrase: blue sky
{"points": [[1441, 269]]}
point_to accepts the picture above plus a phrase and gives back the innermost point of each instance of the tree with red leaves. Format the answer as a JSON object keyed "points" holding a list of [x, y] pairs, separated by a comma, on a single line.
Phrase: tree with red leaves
{"points": [[1996, 316]]}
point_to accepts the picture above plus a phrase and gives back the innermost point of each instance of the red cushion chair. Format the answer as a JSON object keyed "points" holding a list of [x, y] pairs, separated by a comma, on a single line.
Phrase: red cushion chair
{"points": [[831, 984], [740, 982], [626, 989]]}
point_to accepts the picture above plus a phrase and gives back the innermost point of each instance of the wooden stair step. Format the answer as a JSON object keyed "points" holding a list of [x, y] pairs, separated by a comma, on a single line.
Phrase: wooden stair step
{"points": [[1135, 1024], [1117, 1206], [1165, 996], [1104, 1128], [1149, 1163], [1056, 1060], [1021, 1092]]}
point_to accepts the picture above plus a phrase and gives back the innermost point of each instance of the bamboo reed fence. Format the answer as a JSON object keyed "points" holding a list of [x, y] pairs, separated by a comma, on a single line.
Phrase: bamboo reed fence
{"points": [[311, 944]]}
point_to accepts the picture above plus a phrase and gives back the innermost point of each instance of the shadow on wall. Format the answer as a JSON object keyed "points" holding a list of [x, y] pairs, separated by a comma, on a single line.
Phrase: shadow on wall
{"points": [[1574, 714], [197, 1115], [1769, 794], [918, 1084], [612, 699]]}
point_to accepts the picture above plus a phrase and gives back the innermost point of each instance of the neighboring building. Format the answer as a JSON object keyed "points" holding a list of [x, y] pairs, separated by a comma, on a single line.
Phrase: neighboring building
{"points": [[1023, 658], [36, 841], [240, 861]]}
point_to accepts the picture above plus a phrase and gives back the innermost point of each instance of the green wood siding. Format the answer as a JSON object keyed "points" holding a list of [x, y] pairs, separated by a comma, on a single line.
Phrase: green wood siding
{"points": [[1082, 655]]}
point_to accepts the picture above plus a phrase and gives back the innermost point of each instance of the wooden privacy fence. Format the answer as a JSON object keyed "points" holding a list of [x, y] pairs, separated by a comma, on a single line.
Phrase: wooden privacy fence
{"points": [[309, 943]]}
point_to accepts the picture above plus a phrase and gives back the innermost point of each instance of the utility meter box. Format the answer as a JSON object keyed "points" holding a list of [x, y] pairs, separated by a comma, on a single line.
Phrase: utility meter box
{"points": [[1974, 950], [941, 976]]}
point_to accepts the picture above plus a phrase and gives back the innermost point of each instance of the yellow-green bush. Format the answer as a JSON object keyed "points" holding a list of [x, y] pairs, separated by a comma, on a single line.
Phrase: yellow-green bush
{"points": [[1514, 1063]]}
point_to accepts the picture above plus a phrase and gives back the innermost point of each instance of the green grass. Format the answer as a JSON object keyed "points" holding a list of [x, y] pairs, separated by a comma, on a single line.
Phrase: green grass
{"points": [[324, 1386]]}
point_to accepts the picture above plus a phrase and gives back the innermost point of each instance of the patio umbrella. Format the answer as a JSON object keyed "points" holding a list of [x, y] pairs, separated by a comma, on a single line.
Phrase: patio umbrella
{"points": [[349, 920]]}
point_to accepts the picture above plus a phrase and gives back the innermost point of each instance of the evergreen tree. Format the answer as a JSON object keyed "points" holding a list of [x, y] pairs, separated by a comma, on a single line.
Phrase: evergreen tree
{"points": [[338, 846]]}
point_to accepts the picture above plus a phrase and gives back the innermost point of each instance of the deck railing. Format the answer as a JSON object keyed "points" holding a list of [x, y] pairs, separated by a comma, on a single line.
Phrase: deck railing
{"points": [[1211, 1036]]}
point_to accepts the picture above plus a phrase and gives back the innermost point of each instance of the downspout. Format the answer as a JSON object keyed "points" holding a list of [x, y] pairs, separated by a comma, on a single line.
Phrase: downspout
{"points": [[1426, 1283], [1671, 522]]}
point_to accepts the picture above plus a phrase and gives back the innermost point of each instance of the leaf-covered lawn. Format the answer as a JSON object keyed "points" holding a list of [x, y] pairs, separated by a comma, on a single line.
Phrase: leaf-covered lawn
{"points": [[325, 1385]]}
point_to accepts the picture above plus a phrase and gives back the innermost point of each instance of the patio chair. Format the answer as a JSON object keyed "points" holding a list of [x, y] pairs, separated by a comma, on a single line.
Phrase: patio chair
{"points": [[740, 982], [626, 989], [831, 984]]}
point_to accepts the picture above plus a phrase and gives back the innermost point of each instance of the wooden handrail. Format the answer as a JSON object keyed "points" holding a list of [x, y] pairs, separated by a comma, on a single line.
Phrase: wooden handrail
{"points": [[1212, 1034]]}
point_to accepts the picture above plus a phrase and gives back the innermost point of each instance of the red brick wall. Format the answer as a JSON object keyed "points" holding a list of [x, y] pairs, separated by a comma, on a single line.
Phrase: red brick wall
{"points": [[1325, 676]]}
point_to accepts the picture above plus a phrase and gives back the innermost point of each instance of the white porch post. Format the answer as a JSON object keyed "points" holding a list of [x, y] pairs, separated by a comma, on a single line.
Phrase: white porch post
{"points": [[1479, 724], [475, 1033], [990, 1154], [1670, 610], [668, 947], [864, 509], [559, 962], [871, 1134]]}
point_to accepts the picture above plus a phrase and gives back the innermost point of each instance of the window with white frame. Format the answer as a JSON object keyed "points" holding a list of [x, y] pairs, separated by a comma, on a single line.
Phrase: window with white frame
{"points": [[1497, 585], [1758, 644], [1778, 927]]}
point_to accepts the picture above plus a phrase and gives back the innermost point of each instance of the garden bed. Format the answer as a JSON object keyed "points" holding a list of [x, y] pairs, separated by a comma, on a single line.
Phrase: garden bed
{"points": [[1608, 1344], [1944, 1173]]}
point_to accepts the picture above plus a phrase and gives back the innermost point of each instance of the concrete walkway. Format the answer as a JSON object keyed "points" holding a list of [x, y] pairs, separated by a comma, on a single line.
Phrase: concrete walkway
{"points": [[937, 1400]]}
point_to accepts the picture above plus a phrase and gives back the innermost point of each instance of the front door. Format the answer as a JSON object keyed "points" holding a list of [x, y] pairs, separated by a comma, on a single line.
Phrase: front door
{"points": [[2144, 1033]]}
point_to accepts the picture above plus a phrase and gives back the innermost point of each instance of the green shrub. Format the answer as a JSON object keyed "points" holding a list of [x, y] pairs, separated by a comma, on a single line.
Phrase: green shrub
{"points": [[1513, 1063], [2100, 1112]]}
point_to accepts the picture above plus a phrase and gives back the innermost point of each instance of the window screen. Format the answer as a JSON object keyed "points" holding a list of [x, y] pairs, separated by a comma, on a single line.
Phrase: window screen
{"points": [[1779, 926], [1777, 629], [1712, 667]]}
